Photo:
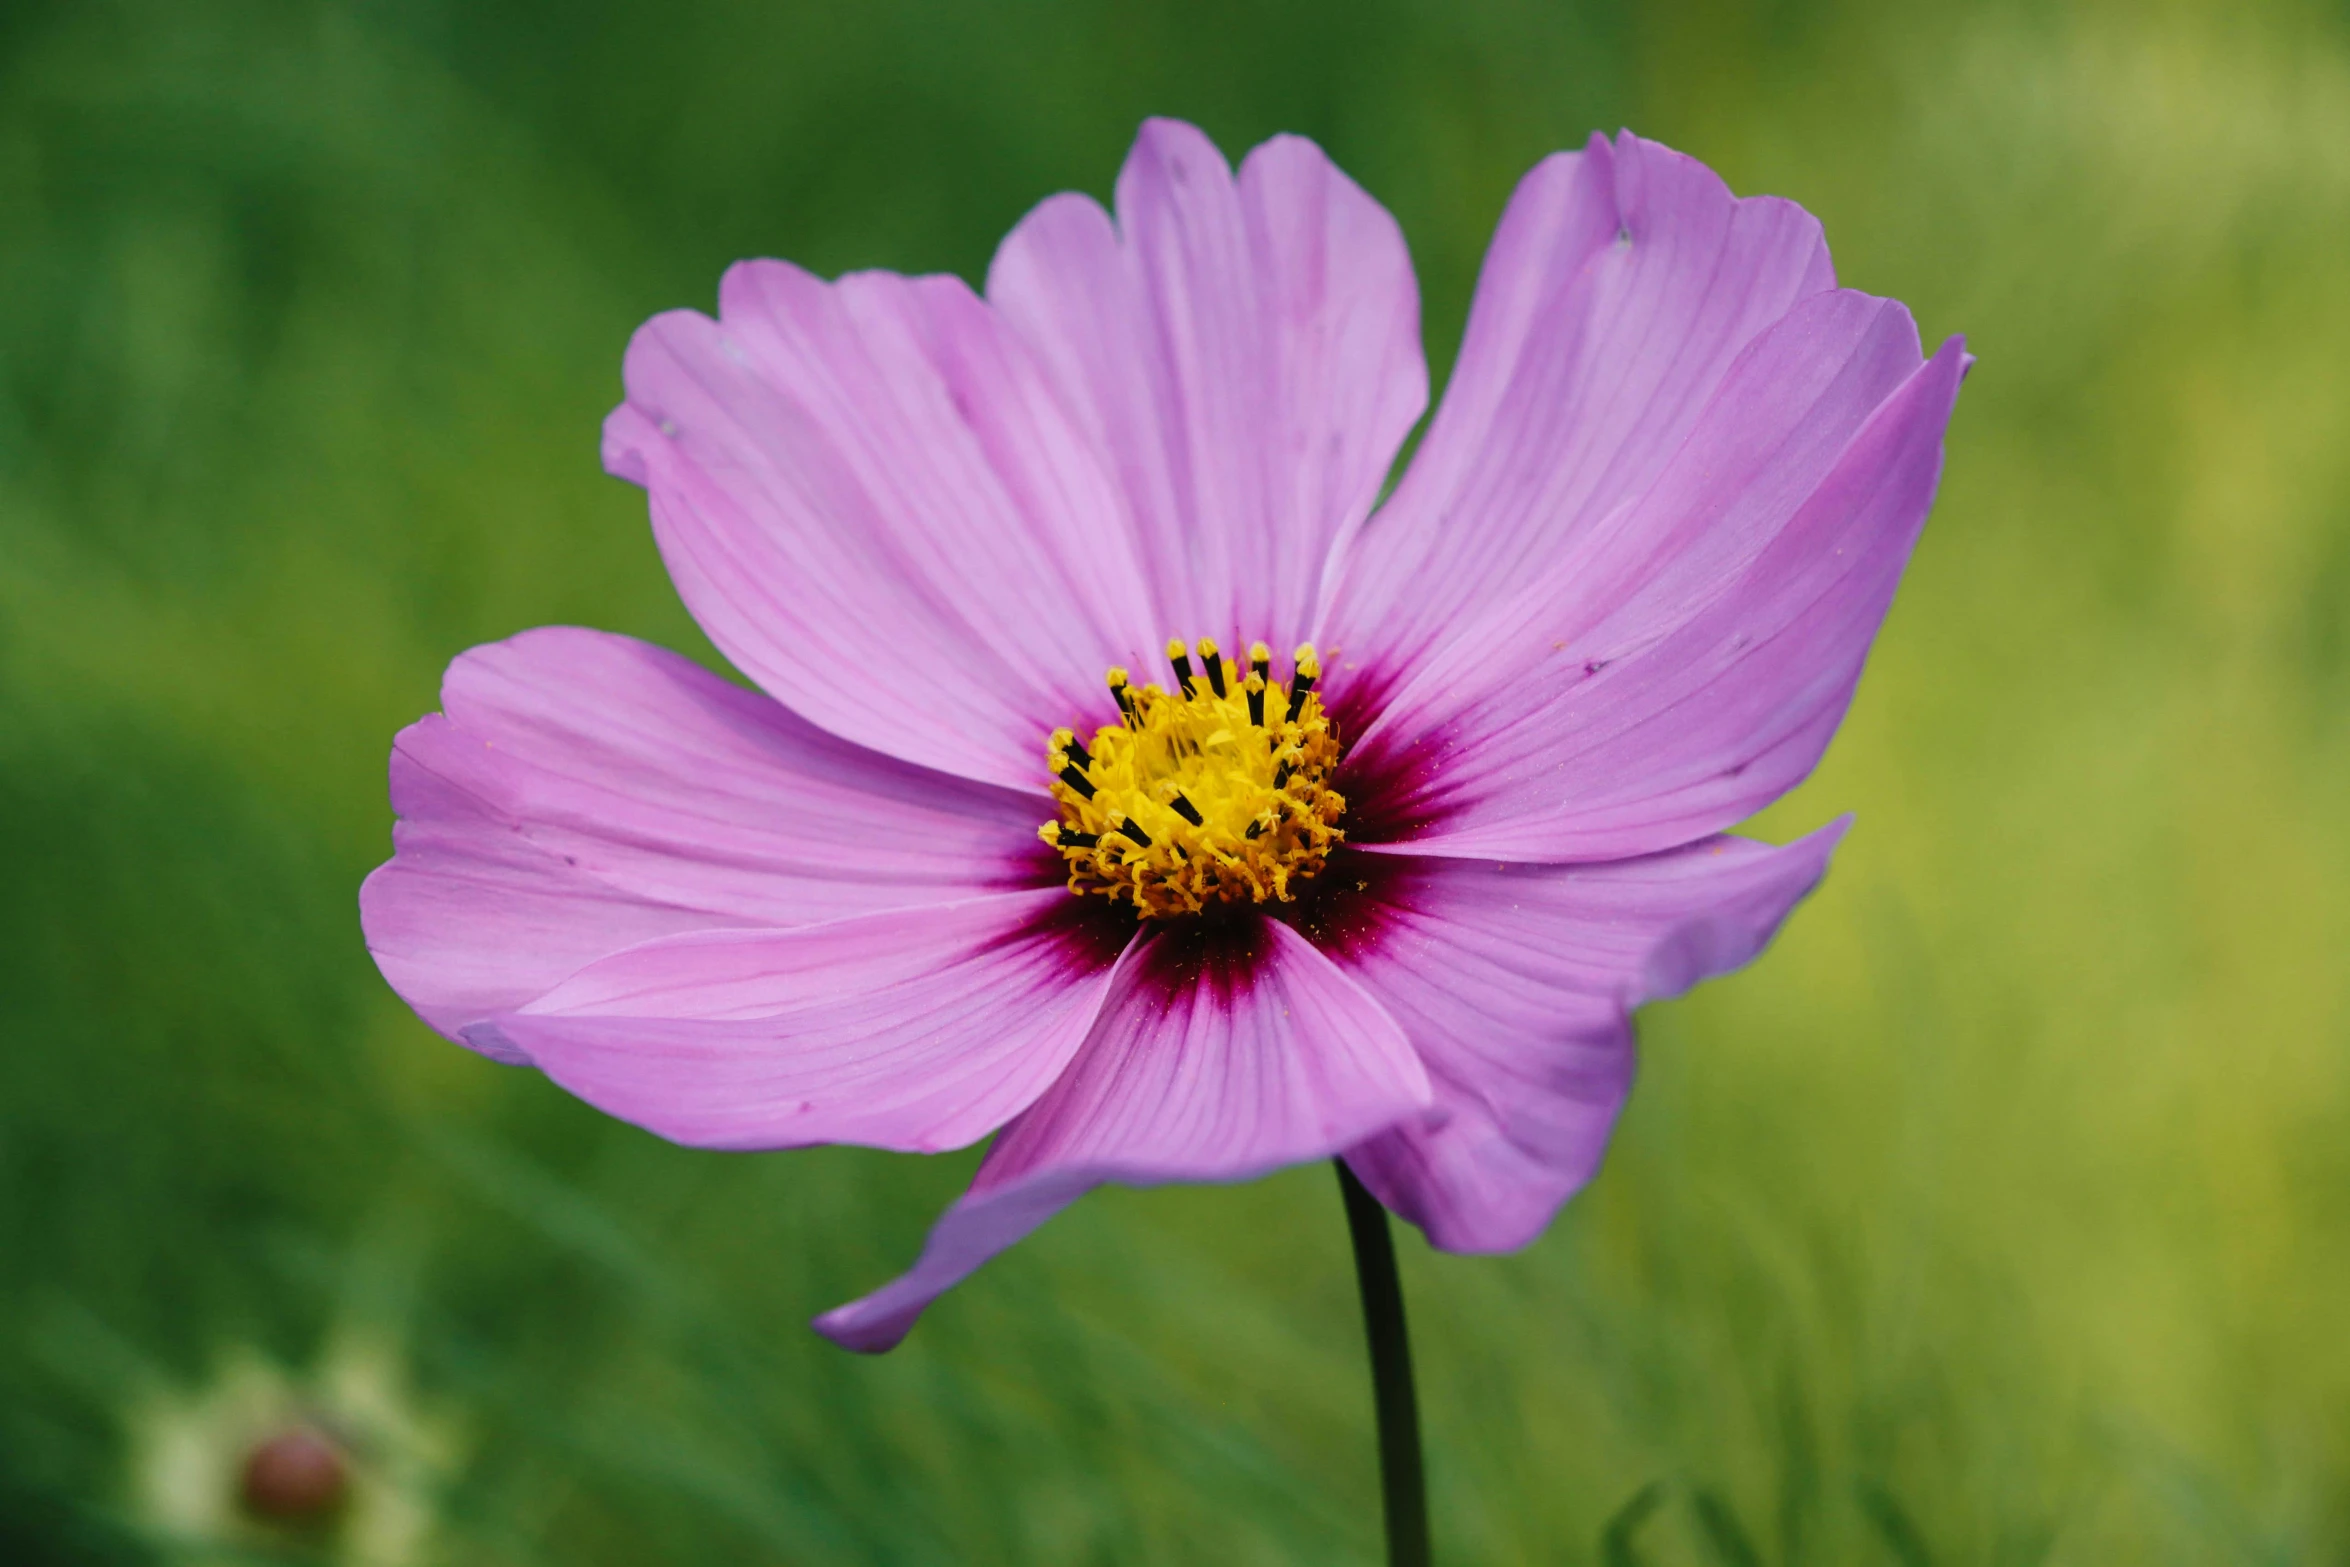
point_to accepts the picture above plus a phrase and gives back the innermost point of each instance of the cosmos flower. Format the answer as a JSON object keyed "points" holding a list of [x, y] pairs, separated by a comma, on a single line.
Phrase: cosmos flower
{"points": [[1375, 859]]}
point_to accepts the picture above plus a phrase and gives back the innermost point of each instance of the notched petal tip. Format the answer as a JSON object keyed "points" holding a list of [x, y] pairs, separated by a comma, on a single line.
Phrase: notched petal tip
{"points": [[1735, 930], [487, 1039], [1177, 143], [752, 284], [865, 1334], [627, 432]]}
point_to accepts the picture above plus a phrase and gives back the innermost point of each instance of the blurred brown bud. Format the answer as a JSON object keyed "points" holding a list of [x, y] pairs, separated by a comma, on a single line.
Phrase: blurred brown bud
{"points": [[295, 1476]]}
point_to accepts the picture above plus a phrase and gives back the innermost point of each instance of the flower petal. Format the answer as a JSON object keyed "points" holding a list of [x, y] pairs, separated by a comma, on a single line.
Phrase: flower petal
{"points": [[870, 500], [1515, 984], [1218, 1057], [580, 793], [1622, 283], [1248, 354], [915, 1029], [1688, 661]]}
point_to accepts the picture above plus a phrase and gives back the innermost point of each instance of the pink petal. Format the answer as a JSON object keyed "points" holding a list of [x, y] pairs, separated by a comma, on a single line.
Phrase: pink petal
{"points": [[1216, 1058], [1247, 352], [1515, 984], [915, 1029], [1688, 661], [1622, 283], [581, 793], [872, 503]]}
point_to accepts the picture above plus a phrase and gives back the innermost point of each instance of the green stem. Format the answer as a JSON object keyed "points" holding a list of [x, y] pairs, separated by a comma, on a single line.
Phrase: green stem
{"points": [[1402, 1485]]}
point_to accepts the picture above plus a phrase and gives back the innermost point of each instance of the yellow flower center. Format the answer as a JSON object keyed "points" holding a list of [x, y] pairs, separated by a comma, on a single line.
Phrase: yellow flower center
{"points": [[1217, 792]]}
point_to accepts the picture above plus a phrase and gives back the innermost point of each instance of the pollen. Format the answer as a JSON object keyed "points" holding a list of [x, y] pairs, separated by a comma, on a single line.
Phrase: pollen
{"points": [[1215, 792]]}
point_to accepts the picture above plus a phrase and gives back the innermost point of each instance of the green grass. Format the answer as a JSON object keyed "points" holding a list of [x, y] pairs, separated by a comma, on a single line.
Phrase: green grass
{"points": [[2001, 1215]]}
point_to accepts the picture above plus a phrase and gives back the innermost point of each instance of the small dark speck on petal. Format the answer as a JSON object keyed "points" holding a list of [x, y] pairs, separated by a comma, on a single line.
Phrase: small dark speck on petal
{"points": [[571, 859], [1594, 666]]}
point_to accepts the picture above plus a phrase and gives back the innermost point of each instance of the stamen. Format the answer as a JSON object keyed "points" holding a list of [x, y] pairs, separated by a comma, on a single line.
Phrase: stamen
{"points": [[1309, 669], [1214, 662], [1207, 794], [1180, 657]]}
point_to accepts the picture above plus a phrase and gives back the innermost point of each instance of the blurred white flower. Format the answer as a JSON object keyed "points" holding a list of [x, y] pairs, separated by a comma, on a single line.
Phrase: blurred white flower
{"points": [[341, 1460]]}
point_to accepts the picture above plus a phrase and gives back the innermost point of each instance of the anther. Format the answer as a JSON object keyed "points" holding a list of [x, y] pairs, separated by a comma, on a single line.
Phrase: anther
{"points": [[1214, 662], [1180, 657], [1264, 815], [1309, 669]]}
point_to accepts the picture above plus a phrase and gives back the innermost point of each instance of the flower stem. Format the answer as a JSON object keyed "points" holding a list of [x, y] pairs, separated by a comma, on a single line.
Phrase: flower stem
{"points": [[1401, 1483]]}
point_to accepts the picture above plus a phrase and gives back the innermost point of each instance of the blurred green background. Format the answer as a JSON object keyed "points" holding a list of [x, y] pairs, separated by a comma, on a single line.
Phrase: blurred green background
{"points": [[2001, 1215]]}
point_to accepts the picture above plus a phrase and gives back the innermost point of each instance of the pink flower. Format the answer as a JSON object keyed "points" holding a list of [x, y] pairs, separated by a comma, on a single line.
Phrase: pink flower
{"points": [[1400, 913]]}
